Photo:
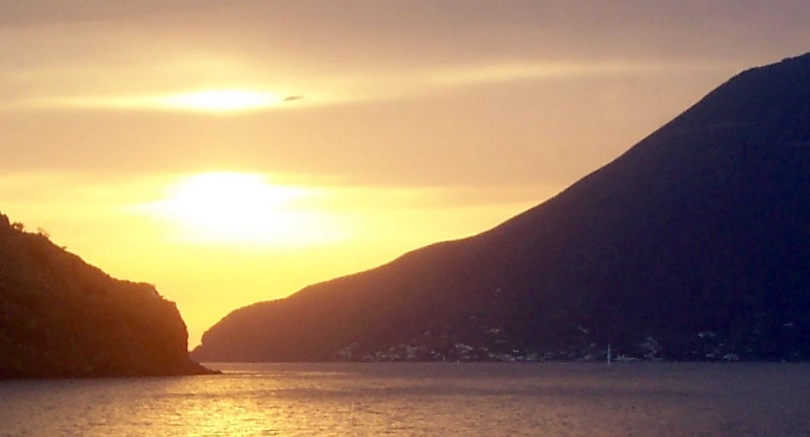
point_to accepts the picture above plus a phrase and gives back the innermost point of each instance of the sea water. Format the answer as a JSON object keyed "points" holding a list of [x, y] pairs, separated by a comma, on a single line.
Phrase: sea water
{"points": [[429, 399]]}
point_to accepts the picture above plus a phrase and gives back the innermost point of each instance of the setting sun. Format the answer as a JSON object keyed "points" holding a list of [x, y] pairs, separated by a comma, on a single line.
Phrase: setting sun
{"points": [[245, 208]]}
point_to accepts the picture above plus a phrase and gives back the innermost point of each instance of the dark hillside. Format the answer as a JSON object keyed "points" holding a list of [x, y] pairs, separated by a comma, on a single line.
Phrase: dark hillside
{"points": [[694, 244], [60, 317]]}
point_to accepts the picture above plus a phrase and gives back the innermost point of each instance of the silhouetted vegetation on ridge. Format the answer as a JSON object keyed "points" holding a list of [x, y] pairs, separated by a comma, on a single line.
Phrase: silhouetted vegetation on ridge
{"points": [[60, 317], [693, 245]]}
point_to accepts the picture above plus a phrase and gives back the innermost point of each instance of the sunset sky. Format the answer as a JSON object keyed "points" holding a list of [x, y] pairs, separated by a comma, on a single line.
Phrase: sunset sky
{"points": [[233, 152]]}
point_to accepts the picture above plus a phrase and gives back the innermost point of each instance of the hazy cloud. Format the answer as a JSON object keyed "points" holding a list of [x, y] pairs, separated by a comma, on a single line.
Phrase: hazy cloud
{"points": [[394, 90]]}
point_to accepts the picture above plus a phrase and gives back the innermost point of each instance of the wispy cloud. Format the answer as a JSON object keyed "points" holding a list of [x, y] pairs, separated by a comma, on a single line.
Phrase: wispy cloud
{"points": [[206, 100]]}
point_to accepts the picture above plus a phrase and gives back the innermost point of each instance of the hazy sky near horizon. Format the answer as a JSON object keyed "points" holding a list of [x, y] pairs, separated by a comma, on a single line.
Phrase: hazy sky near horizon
{"points": [[231, 152]]}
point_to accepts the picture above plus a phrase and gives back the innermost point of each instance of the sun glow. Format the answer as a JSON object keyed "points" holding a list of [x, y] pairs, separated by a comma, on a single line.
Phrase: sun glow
{"points": [[243, 208], [222, 100]]}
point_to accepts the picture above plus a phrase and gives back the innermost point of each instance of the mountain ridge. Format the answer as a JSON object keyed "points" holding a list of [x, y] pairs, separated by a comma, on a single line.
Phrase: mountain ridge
{"points": [[691, 245]]}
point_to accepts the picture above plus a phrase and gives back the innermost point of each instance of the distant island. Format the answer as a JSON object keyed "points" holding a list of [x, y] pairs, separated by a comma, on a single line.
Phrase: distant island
{"points": [[692, 245], [60, 317]]}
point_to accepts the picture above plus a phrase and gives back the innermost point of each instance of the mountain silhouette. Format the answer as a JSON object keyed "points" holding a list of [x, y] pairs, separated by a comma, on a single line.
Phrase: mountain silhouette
{"points": [[60, 317], [692, 245]]}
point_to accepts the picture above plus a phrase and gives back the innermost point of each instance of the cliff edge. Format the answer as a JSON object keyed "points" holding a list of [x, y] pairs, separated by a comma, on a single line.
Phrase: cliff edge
{"points": [[60, 317]]}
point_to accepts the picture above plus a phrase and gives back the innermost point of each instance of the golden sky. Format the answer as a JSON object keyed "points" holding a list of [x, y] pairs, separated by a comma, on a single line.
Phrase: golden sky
{"points": [[232, 152]]}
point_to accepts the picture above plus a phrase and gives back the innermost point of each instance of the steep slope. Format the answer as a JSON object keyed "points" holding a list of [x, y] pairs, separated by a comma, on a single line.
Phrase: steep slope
{"points": [[694, 244], [60, 317]]}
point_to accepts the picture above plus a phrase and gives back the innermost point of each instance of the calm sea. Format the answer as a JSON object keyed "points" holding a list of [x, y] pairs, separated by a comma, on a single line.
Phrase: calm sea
{"points": [[630, 399]]}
